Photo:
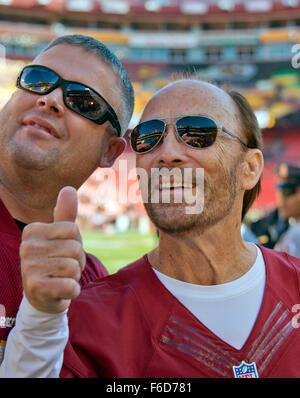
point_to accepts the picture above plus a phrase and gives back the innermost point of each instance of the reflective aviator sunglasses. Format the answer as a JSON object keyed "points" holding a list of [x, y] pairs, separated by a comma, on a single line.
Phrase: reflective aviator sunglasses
{"points": [[78, 97], [195, 131]]}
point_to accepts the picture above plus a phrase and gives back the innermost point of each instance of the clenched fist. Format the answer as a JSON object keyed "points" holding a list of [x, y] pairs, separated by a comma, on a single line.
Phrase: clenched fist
{"points": [[52, 257]]}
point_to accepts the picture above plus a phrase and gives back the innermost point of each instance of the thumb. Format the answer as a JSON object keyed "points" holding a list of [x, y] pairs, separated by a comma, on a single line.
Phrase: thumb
{"points": [[66, 205]]}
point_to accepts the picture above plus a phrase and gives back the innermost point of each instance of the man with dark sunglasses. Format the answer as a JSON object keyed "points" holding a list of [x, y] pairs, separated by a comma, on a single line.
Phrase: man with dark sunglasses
{"points": [[204, 303], [289, 207], [67, 117]]}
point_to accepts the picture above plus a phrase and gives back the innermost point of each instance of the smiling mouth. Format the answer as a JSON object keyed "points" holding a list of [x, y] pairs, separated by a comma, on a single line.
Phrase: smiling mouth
{"points": [[172, 186], [40, 127]]}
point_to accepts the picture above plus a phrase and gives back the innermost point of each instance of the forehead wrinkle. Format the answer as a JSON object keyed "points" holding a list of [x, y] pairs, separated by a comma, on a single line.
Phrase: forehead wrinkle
{"points": [[199, 93]]}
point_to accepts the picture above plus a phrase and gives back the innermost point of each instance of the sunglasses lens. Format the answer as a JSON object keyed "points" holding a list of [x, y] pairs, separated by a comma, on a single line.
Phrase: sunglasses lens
{"points": [[37, 80], [84, 101], [146, 135], [197, 131]]}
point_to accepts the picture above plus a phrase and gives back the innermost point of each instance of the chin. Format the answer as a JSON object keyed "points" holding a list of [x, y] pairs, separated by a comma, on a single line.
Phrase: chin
{"points": [[33, 159], [172, 219]]}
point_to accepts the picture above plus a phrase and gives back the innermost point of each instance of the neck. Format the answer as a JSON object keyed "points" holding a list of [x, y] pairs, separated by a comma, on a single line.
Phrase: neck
{"points": [[211, 258], [29, 200]]}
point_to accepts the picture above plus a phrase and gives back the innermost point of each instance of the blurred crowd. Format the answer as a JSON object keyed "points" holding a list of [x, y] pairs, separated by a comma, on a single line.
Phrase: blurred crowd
{"points": [[104, 202], [280, 228], [274, 220]]}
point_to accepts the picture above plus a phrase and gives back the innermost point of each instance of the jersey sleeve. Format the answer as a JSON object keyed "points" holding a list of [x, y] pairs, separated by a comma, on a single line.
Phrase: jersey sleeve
{"points": [[77, 366], [93, 270], [36, 344]]}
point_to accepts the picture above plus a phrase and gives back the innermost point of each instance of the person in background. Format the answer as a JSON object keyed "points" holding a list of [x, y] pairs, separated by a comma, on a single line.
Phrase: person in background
{"points": [[289, 207], [269, 228], [247, 234], [67, 117]]}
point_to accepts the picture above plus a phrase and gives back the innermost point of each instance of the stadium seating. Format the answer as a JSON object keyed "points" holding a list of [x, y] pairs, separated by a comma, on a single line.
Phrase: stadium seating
{"points": [[246, 44]]}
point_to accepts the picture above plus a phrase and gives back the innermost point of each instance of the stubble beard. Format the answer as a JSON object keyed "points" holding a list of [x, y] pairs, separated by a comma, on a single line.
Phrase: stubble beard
{"points": [[219, 199], [25, 154], [29, 159]]}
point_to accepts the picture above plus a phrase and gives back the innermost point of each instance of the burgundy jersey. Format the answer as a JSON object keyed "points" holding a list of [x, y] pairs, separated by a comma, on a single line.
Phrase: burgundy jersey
{"points": [[129, 325], [11, 289]]}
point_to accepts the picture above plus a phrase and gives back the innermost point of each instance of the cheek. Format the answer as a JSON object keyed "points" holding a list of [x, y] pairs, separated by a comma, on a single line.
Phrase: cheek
{"points": [[82, 132], [222, 156], [144, 162], [217, 160], [86, 140], [22, 101], [226, 154], [13, 112]]}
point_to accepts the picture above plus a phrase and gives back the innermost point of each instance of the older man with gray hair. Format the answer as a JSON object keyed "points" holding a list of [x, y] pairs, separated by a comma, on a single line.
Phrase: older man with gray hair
{"points": [[204, 303]]}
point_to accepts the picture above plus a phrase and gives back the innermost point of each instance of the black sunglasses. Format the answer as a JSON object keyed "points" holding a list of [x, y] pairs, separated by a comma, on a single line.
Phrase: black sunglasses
{"points": [[194, 131], [78, 97]]}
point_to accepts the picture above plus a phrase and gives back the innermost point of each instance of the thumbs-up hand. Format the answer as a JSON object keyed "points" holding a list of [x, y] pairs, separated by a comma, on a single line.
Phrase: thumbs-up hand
{"points": [[52, 257]]}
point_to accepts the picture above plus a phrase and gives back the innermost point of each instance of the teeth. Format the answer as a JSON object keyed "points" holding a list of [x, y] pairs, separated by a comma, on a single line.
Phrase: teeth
{"points": [[169, 185], [40, 127]]}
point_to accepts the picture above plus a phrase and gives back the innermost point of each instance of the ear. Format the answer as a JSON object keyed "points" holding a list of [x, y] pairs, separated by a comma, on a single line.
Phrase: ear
{"points": [[114, 149], [253, 168]]}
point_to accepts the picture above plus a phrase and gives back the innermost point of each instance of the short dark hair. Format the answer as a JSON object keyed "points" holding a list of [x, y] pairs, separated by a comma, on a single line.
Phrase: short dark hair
{"points": [[94, 46], [252, 133]]}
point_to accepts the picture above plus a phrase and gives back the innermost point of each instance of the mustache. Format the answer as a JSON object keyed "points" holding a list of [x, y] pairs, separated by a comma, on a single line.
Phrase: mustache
{"points": [[164, 179], [174, 176]]}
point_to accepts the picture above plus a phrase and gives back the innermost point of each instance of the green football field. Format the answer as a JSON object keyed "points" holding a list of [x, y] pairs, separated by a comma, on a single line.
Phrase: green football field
{"points": [[119, 249]]}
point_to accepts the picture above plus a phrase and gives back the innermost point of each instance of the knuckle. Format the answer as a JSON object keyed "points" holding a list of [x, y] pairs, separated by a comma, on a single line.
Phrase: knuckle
{"points": [[27, 231], [68, 268], [27, 247], [77, 249], [32, 229], [28, 268], [34, 249], [72, 230], [34, 288], [69, 289], [82, 261], [23, 249], [74, 270], [58, 270], [74, 290]]}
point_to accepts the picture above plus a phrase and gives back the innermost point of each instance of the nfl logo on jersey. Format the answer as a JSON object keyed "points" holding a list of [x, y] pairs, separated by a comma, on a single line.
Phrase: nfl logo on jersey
{"points": [[245, 370]]}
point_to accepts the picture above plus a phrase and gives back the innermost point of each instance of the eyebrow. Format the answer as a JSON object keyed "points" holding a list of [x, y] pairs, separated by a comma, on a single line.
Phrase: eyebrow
{"points": [[171, 117]]}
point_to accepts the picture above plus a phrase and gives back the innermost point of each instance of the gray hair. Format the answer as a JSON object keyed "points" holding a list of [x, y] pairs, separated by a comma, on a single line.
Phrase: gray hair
{"points": [[96, 47]]}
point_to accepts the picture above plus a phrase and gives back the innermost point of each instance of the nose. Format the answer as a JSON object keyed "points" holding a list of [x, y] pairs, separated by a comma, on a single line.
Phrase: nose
{"points": [[171, 152], [51, 102]]}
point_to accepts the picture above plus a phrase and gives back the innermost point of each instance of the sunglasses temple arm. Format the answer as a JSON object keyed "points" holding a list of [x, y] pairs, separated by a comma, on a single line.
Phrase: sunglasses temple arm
{"points": [[115, 123], [117, 126], [233, 135]]}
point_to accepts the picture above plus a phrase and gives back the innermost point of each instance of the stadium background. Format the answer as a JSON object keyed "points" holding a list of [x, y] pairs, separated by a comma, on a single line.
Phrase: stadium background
{"points": [[249, 45]]}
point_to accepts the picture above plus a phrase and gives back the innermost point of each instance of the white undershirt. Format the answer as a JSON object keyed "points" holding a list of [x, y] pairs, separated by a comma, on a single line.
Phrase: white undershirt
{"points": [[229, 310]]}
